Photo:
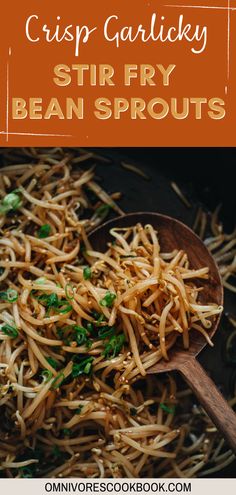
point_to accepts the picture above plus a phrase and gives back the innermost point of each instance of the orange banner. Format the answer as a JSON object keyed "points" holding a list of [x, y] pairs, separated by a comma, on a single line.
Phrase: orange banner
{"points": [[149, 73]]}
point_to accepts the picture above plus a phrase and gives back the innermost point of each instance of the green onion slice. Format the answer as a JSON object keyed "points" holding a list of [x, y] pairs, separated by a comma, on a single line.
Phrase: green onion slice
{"points": [[11, 202], [58, 381], [105, 332], [52, 362], [81, 335], [47, 374], [10, 295], [84, 367], [103, 210], [63, 307], [10, 331], [114, 346], [79, 409], [26, 472], [44, 231], [69, 291], [169, 410], [87, 274], [52, 301], [66, 432], [108, 299]]}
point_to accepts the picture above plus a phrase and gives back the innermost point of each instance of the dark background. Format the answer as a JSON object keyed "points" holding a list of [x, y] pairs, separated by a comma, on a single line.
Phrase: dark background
{"points": [[208, 174]]}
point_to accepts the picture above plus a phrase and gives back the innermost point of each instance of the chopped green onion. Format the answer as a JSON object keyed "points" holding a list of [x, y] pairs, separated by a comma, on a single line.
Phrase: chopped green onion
{"points": [[87, 273], [84, 367], [17, 190], [69, 291], [103, 210], [100, 319], [77, 334], [82, 248], [114, 346], [79, 409], [105, 332], [63, 307], [52, 362], [60, 332], [81, 335], [56, 451], [11, 202], [108, 299], [90, 327], [87, 368], [96, 315], [59, 455], [47, 374], [52, 301], [167, 409], [10, 331], [48, 300], [44, 231], [66, 432], [26, 472], [10, 295], [58, 381]]}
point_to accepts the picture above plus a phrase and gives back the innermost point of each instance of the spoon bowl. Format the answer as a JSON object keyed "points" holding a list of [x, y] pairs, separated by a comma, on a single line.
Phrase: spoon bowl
{"points": [[173, 234]]}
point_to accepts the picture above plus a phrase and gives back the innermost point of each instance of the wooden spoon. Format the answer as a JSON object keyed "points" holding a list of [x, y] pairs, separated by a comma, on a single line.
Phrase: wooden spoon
{"points": [[173, 234]]}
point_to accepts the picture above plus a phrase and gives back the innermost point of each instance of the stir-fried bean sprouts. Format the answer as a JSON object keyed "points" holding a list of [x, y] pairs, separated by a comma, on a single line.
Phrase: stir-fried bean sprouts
{"points": [[79, 330]]}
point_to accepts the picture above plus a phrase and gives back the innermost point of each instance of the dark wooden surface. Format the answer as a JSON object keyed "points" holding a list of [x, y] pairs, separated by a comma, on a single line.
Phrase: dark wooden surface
{"points": [[173, 234]]}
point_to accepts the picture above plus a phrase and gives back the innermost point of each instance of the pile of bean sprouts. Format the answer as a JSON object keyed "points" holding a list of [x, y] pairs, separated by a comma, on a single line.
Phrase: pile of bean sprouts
{"points": [[79, 330], [155, 297]]}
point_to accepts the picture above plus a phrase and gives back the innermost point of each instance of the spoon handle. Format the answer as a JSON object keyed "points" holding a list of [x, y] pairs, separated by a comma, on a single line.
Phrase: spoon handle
{"points": [[211, 399]]}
